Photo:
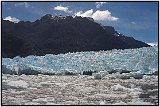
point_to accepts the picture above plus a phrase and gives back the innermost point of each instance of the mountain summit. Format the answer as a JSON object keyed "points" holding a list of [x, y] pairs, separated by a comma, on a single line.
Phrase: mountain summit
{"points": [[61, 34]]}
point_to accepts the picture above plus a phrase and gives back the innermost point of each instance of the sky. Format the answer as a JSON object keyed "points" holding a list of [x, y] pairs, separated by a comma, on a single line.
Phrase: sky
{"points": [[134, 19]]}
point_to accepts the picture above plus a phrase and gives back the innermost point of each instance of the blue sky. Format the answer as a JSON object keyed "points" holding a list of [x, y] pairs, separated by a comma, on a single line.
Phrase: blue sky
{"points": [[135, 19]]}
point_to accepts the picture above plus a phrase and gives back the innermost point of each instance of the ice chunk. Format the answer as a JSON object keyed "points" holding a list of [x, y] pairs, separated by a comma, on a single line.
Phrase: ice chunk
{"points": [[40, 99], [102, 103], [5, 70], [130, 75], [18, 83], [138, 102], [32, 103], [120, 103], [50, 103], [118, 87], [100, 74]]}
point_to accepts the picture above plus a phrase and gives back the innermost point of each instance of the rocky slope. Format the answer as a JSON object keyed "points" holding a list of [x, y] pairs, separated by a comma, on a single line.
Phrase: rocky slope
{"points": [[58, 34]]}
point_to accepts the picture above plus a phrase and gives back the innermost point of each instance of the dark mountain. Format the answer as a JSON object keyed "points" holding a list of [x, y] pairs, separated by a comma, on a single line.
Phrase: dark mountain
{"points": [[58, 34]]}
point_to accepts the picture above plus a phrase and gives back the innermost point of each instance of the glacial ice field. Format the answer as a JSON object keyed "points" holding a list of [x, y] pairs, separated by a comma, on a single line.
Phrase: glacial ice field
{"points": [[142, 60]]}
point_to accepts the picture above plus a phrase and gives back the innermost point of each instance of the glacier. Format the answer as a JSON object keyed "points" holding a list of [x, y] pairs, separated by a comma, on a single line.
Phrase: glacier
{"points": [[143, 60]]}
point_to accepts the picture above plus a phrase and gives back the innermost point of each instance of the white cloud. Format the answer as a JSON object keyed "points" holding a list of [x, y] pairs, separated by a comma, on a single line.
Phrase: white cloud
{"points": [[104, 15], [62, 8], [88, 13], [25, 4], [99, 4], [133, 22], [97, 15], [12, 19], [153, 44]]}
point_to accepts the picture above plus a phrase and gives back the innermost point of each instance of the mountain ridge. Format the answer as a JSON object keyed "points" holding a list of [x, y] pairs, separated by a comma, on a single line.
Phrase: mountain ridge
{"points": [[59, 34]]}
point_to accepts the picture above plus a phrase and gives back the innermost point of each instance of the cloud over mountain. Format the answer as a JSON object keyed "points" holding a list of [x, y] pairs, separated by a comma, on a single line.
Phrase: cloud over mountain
{"points": [[12, 19], [97, 15]]}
